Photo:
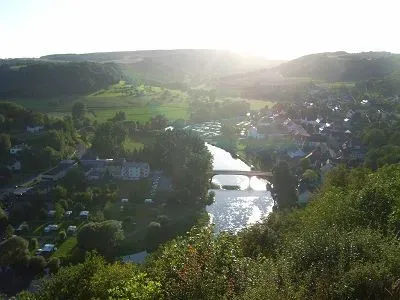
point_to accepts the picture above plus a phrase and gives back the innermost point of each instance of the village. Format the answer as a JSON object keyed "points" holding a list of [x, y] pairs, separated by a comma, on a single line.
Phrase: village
{"points": [[313, 136]]}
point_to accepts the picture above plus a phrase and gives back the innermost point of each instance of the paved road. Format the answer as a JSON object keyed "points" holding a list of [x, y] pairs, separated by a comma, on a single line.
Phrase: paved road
{"points": [[79, 152]]}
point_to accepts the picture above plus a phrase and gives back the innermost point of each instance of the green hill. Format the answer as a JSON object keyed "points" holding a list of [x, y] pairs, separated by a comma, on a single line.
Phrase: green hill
{"points": [[342, 66], [169, 66], [36, 78], [332, 67]]}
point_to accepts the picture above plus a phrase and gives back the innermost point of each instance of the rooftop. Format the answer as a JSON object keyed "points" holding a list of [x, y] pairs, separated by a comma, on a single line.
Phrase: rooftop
{"points": [[64, 165]]}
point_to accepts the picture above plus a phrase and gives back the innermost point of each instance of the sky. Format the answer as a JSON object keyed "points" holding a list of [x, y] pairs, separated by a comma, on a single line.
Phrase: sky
{"points": [[281, 29]]}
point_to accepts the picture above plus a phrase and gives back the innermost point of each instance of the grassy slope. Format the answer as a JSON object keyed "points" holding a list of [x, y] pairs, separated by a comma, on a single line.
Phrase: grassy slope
{"points": [[102, 105]]}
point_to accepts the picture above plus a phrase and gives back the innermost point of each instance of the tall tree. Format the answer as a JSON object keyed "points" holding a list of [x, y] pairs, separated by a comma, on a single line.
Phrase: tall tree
{"points": [[109, 138], [102, 236], [78, 110], [5, 145], [14, 251], [284, 186]]}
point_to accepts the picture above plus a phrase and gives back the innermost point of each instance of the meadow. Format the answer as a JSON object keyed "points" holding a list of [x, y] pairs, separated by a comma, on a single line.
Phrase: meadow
{"points": [[139, 103]]}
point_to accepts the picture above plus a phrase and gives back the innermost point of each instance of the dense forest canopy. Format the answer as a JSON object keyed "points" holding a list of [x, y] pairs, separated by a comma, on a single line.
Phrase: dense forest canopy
{"points": [[28, 78]]}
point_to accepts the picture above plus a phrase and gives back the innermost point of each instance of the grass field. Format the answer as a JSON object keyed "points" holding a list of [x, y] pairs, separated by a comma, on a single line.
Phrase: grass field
{"points": [[133, 145], [259, 104], [66, 248], [139, 103]]}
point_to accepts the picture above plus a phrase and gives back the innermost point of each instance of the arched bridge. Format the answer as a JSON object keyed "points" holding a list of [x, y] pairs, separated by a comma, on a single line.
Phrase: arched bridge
{"points": [[244, 173]]}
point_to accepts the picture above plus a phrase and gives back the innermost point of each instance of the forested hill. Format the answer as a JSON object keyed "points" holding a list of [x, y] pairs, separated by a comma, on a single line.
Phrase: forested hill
{"points": [[332, 67], [343, 66], [168, 66], [36, 78]]}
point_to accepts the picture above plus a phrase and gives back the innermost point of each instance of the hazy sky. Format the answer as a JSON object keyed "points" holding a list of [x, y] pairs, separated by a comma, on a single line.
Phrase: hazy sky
{"points": [[280, 29]]}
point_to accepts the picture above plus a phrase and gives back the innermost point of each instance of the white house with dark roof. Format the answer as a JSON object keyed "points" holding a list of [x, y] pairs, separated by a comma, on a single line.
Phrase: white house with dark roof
{"points": [[135, 170]]}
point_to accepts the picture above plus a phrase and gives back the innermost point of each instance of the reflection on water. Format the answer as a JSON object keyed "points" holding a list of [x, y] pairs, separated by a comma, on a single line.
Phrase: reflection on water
{"points": [[234, 210]]}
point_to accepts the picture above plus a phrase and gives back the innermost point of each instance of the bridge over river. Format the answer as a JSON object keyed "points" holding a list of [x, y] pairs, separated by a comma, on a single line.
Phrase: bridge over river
{"points": [[240, 172]]}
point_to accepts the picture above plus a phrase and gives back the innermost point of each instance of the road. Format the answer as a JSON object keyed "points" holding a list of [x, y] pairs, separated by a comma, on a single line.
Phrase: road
{"points": [[79, 152]]}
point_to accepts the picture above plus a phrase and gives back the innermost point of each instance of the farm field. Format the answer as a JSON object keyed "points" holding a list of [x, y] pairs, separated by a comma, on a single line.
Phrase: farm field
{"points": [[139, 103]]}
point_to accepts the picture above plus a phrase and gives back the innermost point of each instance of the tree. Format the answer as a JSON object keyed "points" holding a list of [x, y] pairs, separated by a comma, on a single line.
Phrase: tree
{"points": [[3, 221], [304, 163], [375, 138], [284, 186], [2, 120], [14, 251], [62, 235], [60, 192], [9, 230], [159, 122], [74, 180], [138, 287], [119, 116], [103, 236], [96, 279], [78, 110], [154, 235], [54, 265], [33, 244], [5, 145], [109, 138], [310, 176], [37, 264], [210, 198]]}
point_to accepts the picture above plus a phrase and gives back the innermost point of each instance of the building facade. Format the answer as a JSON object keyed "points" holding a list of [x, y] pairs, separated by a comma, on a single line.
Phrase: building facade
{"points": [[134, 170]]}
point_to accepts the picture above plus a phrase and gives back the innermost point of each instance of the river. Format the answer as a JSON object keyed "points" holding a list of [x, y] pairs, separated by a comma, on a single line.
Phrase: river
{"points": [[234, 210]]}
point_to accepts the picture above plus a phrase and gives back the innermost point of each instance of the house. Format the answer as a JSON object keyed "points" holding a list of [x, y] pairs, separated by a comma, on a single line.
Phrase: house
{"points": [[96, 168], [97, 164], [253, 133], [316, 140], [93, 174], [59, 171], [134, 170], [34, 129], [295, 129], [114, 170]]}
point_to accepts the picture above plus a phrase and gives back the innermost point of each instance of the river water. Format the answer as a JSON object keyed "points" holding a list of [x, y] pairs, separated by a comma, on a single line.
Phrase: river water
{"points": [[234, 210]]}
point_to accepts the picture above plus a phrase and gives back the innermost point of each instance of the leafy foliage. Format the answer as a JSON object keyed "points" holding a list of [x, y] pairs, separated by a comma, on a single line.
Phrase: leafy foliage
{"points": [[49, 79], [103, 236]]}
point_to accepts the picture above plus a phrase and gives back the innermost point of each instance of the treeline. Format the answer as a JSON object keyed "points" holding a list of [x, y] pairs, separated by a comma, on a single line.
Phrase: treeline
{"points": [[342, 66], [343, 245], [55, 142], [49, 79]]}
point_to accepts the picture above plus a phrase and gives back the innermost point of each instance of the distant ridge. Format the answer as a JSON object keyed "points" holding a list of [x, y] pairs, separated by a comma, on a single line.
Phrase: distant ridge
{"points": [[167, 66], [329, 66]]}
